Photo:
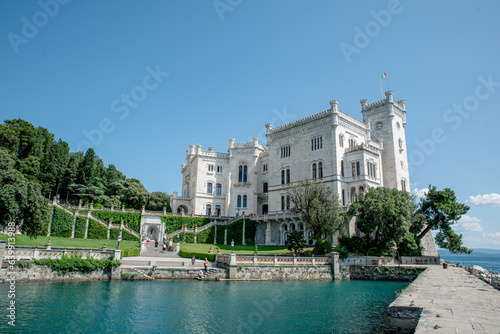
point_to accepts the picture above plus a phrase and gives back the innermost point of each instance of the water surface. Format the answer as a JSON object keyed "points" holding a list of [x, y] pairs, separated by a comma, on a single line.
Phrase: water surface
{"points": [[199, 307]]}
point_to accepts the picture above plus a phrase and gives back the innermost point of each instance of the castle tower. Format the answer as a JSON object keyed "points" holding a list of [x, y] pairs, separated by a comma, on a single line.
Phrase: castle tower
{"points": [[387, 122]]}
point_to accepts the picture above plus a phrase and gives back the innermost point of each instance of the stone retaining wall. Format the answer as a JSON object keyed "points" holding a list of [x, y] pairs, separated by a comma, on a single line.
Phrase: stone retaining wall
{"points": [[45, 273], [281, 273], [379, 273]]}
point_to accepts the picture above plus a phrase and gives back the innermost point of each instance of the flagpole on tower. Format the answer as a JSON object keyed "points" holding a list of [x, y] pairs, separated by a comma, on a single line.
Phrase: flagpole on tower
{"points": [[382, 77], [381, 90]]}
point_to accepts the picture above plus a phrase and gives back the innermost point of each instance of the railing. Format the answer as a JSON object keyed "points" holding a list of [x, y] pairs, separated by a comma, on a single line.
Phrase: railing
{"points": [[263, 260], [23, 253]]}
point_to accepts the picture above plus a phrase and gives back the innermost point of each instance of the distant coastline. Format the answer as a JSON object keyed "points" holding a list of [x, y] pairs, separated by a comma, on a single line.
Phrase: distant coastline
{"points": [[483, 257]]}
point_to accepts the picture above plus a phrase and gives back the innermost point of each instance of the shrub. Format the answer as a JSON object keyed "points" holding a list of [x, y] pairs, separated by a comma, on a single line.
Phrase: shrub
{"points": [[200, 256], [343, 251], [322, 247], [76, 263]]}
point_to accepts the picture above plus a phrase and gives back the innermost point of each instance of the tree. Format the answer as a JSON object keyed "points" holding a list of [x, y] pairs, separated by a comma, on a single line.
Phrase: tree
{"points": [[21, 201], [135, 195], [296, 241], [439, 210], [318, 206], [384, 216], [158, 201]]}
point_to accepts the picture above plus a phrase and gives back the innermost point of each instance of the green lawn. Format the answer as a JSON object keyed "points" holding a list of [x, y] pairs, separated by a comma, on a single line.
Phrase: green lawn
{"points": [[263, 250], [23, 240]]}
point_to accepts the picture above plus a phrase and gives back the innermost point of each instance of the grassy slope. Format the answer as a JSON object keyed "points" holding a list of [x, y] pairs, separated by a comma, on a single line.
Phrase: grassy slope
{"points": [[23, 240]]}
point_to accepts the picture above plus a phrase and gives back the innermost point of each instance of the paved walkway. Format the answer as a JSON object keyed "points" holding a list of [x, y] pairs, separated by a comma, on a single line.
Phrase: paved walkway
{"points": [[167, 259], [450, 301]]}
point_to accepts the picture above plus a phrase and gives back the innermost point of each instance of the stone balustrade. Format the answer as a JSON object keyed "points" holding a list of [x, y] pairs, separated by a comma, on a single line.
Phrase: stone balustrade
{"points": [[266, 260], [29, 253]]}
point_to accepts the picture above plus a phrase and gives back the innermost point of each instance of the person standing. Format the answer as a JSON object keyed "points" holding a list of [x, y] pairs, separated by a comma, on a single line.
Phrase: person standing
{"points": [[206, 266], [156, 245], [193, 260]]}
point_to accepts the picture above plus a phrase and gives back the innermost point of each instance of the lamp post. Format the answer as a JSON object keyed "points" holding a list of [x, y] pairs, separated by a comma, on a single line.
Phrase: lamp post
{"points": [[232, 246]]}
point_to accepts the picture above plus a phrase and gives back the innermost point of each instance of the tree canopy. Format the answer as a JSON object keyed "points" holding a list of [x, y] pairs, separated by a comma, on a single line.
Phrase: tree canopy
{"points": [[35, 167], [439, 210], [384, 215], [318, 206], [389, 218]]}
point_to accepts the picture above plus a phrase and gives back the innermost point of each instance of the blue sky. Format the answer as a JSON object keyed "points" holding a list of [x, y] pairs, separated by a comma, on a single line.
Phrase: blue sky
{"points": [[224, 68]]}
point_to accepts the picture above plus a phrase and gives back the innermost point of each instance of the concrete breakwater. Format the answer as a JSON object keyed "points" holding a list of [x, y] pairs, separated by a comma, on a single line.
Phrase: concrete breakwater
{"points": [[448, 300]]}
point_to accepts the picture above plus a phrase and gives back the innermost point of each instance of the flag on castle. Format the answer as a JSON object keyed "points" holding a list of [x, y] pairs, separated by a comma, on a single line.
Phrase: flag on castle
{"points": [[383, 76]]}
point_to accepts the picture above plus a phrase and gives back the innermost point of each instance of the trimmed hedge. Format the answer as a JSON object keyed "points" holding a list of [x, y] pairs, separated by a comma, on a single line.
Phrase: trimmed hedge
{"points": [[200, 256], [175, 223], [81, 223], [126, 235], [62, 223], [97, 230], [132, 219], [130, 252]]}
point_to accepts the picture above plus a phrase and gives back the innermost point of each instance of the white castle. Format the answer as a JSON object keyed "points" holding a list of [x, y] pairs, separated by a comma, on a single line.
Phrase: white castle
{"points": [[330, 147]]}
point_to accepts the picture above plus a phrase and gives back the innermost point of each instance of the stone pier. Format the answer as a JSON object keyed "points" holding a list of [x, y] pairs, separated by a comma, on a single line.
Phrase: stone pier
{"points": [[446, 301]]}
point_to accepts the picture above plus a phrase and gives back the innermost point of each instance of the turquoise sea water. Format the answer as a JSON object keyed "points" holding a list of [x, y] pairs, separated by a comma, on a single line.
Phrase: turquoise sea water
{"points": [[199, 307], [490, 261]]}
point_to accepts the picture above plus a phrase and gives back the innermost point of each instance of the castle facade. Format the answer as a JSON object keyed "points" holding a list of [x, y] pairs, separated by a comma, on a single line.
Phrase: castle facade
{"points": [[331, 147]]}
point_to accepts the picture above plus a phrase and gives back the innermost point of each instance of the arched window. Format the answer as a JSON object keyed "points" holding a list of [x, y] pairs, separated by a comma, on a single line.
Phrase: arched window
{"points": [[361, 189], [282, 203], [265, 187], [314, 171], [287, 176], [320, 170], [287, 202], [292, 227], [283, 177], [353, 194], [239, 201], [240, 174], [342, 167], [209, 209], [218, 189], [245, 172], [343, 197], [341, 140], [209, 187], [244, 201]]}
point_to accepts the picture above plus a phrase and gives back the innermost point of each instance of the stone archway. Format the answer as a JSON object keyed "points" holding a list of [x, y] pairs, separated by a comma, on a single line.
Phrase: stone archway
{"points": [[153, 232], [182, 209]]}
